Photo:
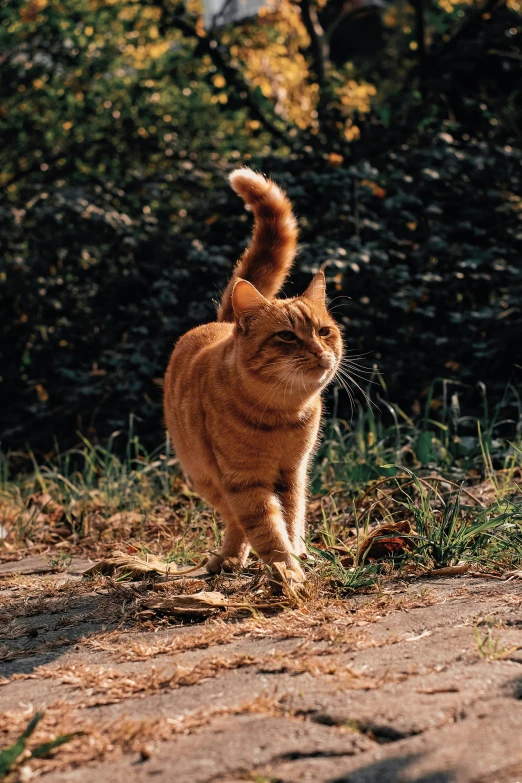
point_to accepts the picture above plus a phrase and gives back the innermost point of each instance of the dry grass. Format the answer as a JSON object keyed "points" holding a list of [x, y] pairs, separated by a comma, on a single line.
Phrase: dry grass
{"points": [[322, 620], [100, 685]]}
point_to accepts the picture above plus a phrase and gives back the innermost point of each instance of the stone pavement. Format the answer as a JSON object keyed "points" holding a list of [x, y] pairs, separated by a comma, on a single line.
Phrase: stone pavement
{"points": [[421, 682]]}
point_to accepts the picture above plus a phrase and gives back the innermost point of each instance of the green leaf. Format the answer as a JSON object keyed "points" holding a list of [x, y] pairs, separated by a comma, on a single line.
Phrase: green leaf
{"points": [[9, 755], [43, 750], [423, 448]]}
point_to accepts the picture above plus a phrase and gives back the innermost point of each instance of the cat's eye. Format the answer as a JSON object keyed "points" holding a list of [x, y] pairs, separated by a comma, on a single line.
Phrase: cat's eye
{"points": [[288, 337], [324, 331]]}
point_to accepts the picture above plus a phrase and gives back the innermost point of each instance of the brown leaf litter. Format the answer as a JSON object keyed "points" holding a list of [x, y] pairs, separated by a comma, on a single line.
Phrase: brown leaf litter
{"points": [[100, 685], [320, 620], [102, 742]]}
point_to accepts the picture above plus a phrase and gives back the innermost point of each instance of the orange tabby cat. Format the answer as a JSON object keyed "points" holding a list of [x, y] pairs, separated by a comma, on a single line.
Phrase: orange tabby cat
{"points": [[243, 396]]}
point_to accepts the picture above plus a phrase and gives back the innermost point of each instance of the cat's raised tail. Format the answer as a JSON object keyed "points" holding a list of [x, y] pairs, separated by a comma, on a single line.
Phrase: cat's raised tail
{"points": [[268, 258]]}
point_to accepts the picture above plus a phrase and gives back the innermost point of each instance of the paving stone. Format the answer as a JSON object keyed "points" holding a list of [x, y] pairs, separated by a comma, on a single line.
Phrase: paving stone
{"points": [[423, 705], [43, 565]]}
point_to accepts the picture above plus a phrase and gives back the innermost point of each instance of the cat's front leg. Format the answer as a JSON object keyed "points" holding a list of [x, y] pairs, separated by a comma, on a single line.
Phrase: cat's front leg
{"points": [[260, 514], [235, 547], [291, 489], [234, 550]]}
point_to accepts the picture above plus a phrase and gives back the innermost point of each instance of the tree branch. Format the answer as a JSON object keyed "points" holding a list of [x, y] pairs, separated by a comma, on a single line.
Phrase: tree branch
{"points": [[319, 47], [345, 11], [210, 45], [420, 34]]}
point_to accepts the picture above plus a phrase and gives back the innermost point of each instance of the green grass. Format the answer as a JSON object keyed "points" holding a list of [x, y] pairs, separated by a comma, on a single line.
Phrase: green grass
{"points": [[10, 756], [454, 533]]}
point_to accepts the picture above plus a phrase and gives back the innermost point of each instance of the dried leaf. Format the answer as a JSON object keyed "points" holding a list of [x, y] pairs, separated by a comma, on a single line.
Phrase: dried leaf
{"points": [[198, 603], [138, 565], [386, 541], [125, 519], [51, 511], [462, 568]]}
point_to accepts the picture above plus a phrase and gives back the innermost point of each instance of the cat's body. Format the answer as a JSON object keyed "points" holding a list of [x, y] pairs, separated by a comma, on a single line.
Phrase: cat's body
{"points": [[242, 396]]}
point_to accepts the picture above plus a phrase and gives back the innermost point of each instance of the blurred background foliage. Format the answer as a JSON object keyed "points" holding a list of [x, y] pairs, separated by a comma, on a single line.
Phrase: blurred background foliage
{"points": [[395, 126]]}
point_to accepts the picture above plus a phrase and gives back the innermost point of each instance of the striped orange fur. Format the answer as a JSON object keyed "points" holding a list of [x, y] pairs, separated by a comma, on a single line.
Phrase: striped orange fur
{"points": [[243, 395]]}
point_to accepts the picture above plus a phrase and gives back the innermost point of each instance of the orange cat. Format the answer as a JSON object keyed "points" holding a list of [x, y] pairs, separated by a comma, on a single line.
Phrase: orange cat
{"points": [[243, 396]]}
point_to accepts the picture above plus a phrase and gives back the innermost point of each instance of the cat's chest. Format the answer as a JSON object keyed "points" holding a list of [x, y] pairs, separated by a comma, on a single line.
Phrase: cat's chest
{"points": [[235, 432]]}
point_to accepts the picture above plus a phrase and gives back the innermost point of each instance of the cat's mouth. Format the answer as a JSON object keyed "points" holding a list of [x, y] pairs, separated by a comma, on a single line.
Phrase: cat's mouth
{"points": [[319, 374], [323, 364]]}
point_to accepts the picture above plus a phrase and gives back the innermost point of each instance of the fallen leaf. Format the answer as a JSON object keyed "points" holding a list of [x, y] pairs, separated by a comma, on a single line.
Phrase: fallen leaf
{"points": [[50, 510], [462, 568], [138, 565], [386, 541], [122, 521], [422, 635], [204, 602]]}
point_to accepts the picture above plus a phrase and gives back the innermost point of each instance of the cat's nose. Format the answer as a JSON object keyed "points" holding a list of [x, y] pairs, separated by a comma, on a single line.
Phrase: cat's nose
{"points": [[324, 357], [317, 349]]}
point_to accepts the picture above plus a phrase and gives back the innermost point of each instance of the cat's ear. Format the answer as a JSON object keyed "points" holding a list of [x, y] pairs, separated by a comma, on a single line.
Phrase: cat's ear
{"points": [[316, 291], [246, 301]]}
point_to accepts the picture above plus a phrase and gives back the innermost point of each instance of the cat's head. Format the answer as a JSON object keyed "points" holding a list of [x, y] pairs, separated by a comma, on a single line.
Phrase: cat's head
{"points": [[294, 342]]}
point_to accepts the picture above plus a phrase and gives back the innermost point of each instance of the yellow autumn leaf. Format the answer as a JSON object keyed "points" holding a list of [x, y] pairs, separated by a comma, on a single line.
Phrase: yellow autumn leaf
{"points": [[335, 160], [42, 392]]}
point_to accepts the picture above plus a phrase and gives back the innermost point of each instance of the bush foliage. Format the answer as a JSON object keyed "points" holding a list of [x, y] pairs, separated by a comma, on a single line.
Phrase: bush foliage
{"points": [[119, 126]]}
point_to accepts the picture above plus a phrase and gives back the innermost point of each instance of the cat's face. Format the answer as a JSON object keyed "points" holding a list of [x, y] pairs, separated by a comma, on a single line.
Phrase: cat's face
{"points": [[294, 343]]}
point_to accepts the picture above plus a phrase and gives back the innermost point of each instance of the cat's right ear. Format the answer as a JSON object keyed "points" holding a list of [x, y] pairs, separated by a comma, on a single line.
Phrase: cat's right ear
{"points": [[246, 301]]}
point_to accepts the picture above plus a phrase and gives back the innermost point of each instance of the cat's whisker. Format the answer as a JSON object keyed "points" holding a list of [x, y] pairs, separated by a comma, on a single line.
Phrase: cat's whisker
{"points": [[359, 368], [347, 389], [361, 375], [283, 379], [347, 352], [296, 372], [275, 389], [350, 361], [365, 395]]}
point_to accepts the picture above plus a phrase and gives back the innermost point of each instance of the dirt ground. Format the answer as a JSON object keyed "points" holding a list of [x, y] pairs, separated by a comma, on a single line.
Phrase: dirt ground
{"points": [[418, 681]]}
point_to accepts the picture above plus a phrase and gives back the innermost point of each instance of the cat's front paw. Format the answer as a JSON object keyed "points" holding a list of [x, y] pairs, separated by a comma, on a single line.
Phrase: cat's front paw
{"points": [[217, 564], [214, 564], [287, 579]]}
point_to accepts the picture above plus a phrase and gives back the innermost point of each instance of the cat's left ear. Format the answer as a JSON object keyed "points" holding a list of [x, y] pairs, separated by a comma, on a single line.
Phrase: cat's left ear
{"points": [[316, 291]]}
